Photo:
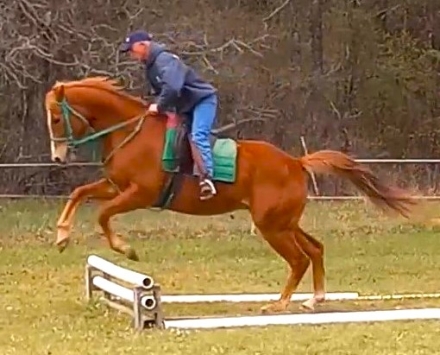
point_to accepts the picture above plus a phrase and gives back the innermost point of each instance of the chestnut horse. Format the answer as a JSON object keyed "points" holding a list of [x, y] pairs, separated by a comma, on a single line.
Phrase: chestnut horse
{"points": [[269, 183]]}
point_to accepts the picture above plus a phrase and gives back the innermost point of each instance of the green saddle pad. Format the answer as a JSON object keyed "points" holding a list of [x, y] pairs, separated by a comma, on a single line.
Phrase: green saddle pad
{"points": [[224, 156]]}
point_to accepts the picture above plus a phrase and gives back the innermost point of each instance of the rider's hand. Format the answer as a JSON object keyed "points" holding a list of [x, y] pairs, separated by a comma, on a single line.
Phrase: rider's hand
{"points": [[153, 109]]}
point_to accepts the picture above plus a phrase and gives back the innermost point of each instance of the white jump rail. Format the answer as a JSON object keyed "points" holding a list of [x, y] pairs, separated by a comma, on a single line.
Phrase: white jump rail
{"points": [[143, 294], [120, 273], [145, 297], [148, 302]]}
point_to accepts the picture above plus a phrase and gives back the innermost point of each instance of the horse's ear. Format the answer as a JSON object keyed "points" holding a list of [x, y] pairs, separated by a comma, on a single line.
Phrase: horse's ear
{"points": [[59, 92]]}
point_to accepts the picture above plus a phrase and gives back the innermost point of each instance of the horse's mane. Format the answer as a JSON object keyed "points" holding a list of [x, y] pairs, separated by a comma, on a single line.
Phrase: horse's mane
{"points": [[103, 83]]}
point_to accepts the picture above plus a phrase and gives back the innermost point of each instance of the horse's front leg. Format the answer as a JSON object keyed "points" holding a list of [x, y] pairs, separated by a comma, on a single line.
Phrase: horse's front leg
{"points": [[101, 189], [130, 199]]}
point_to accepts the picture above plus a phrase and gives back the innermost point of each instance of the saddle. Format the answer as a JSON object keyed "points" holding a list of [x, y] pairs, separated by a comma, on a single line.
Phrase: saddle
{"points": [[181, 158], [187, 159]]}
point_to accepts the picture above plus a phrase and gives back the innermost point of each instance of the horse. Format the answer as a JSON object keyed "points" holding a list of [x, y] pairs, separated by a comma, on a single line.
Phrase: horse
{"points": [[149, 162]]}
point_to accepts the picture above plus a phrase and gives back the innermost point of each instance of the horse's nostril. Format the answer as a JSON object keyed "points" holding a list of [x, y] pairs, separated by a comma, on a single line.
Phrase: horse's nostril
{"points": [[58, 160]]}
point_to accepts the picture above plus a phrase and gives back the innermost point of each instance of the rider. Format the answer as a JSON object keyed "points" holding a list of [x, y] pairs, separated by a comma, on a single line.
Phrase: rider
{"points": [[179, 88]]}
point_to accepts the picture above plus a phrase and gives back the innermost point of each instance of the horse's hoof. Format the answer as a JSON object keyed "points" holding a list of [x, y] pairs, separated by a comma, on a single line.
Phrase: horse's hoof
{"points": [[275, 307], [63, 239], [131, 254], [309, 305], [62, 245]]}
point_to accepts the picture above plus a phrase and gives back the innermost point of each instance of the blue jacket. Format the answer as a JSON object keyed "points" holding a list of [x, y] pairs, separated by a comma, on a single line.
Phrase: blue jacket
{"points": [[178, 86]]}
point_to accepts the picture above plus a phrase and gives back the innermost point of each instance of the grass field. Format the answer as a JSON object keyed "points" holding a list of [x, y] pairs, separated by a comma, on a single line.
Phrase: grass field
{"points": [[42, 295]]}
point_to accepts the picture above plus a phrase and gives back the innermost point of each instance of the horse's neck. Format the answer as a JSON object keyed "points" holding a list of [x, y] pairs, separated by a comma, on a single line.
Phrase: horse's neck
{"points": [[150, 127], [112, 115]]}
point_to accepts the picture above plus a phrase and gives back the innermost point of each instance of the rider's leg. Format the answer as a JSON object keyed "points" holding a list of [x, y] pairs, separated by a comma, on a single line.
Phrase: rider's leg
{"points": [[204, 116]]}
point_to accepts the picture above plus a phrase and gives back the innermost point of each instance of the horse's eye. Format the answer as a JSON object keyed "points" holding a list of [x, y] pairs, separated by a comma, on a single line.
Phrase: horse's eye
{"points": [[56, 120]]}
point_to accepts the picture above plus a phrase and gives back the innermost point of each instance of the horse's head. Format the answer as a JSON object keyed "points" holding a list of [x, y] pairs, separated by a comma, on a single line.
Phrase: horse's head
{"points": [[80, 111], [65, 123]]}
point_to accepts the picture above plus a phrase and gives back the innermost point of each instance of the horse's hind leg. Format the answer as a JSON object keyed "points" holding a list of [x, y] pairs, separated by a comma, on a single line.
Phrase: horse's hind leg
{"points": [[315, 251], [281, 202], [285, 245]]}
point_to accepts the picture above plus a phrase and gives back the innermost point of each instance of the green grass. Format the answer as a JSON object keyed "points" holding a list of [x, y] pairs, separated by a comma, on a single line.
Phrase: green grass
{"points": [[42, 291]]}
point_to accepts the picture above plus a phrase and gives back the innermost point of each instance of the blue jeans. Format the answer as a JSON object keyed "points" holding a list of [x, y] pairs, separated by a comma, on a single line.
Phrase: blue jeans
{"points": [[203, 119]]}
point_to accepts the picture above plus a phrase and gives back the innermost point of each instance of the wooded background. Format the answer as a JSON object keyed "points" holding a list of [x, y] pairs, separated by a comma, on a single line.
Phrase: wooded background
{"points": [[358, 76]]}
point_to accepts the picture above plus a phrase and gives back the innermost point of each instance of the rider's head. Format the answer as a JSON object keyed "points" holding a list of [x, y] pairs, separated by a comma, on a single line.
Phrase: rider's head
{"points": [[138, 44]]}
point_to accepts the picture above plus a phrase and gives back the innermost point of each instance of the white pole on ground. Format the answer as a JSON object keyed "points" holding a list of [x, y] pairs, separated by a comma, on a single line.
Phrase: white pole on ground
{"points": [[295, 319], [121, 273], [235, 298], [406, 296]]}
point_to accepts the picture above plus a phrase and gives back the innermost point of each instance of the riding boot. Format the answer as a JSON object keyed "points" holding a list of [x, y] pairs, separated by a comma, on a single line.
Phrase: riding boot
{"points": [[207, 187]]}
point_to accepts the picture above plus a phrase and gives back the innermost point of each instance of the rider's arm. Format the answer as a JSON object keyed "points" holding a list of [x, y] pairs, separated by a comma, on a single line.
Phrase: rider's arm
{"points": [[172, 73]]}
